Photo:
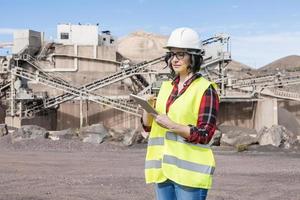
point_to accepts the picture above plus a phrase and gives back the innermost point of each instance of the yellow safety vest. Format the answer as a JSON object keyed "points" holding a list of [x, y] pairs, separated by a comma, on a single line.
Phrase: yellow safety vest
{"points": [[169, 156]]}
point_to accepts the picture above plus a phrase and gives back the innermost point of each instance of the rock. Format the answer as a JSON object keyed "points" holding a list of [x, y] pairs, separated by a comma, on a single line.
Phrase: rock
{"points": [[296, 146], [116, 134], [216, 139], [145, 135], [238, 139], [94, 138], [269, 136], [289, 139], [277, 136], [94, 129], [272, 136], [133, 136], [95, 133], [128, 137], [63, 134], [237, 136], [29, 132], [242, 147], [3, 130]]}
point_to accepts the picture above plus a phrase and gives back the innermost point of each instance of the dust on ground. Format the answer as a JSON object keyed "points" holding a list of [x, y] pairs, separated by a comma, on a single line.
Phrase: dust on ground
{"points": [[69, 169]]}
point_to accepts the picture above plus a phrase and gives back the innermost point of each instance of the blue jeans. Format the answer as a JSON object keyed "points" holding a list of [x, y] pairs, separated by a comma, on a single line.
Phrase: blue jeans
{"points": [[170, 190]]}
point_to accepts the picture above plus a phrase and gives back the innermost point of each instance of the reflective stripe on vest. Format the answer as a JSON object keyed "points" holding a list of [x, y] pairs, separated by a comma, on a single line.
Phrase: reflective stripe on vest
{"points": [[153, 164], [153, 169], [156, 141], [175, 137], [204, 169]]}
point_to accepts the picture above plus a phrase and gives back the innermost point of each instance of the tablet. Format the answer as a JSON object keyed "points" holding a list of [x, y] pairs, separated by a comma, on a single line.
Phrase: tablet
{"points": [[144, 103]]}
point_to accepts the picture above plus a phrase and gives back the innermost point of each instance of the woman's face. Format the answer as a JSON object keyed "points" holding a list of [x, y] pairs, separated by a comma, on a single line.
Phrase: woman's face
{"points": [[180, 61]]}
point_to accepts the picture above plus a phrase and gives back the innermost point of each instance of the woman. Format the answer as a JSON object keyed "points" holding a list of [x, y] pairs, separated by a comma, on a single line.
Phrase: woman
{"points": [[178, 159]]}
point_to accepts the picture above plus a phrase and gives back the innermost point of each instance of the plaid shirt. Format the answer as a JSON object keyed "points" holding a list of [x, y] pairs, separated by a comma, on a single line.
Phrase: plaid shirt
{"points": [[208, 110]]}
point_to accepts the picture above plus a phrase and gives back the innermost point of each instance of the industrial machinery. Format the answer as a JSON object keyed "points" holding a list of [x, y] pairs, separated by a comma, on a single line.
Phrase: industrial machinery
{"points": [[24, 65]]}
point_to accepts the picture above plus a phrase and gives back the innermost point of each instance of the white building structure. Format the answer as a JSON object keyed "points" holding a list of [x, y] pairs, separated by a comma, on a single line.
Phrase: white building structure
{"points": [[82, 34]]}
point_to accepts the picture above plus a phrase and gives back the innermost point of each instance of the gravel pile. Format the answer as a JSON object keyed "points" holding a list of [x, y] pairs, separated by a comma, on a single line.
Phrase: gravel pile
{"points": [[62, 145]]}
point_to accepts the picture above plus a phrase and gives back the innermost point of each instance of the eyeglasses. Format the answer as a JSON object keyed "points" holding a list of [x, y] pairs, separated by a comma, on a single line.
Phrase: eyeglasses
{"points": [[178, 55]]}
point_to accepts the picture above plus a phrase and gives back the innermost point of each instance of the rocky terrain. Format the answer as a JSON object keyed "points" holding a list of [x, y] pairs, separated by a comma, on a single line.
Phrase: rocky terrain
{"points": [[36, 164]]}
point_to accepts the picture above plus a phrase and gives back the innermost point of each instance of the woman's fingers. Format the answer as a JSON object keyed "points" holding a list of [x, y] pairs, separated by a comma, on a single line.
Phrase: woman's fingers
{"points": [[150, 98]]}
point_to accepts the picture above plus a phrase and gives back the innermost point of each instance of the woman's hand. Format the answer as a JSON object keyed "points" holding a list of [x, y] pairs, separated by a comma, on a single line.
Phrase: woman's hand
{"points": [[164, 121], [148, 118], [151, 99]]}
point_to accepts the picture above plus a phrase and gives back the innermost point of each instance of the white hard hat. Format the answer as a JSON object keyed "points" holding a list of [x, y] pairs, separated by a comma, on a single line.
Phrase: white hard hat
{"points": [[185, 38]]}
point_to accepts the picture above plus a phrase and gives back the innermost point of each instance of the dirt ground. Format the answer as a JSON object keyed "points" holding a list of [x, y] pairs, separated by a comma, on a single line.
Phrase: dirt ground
{"points": [[72, 170]]}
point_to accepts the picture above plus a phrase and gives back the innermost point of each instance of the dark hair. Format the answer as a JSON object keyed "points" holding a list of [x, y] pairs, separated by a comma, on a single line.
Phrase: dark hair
{"points": [[196, 61]]}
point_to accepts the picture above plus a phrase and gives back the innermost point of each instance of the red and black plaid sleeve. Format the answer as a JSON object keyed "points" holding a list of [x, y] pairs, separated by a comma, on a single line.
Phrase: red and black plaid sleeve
{"points": [[146, 128], [206, 125]]}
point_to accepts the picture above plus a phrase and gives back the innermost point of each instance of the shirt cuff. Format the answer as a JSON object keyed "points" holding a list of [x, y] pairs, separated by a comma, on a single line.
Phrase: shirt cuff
{"points": [[196, 136], [146, 128]]}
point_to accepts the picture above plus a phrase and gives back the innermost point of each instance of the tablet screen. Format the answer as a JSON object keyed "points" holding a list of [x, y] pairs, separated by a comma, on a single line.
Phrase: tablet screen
{"points": [[144, 104]]}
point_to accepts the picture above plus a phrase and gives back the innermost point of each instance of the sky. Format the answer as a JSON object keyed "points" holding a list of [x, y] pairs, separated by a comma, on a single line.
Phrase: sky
{"points": [[261, 31]]}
